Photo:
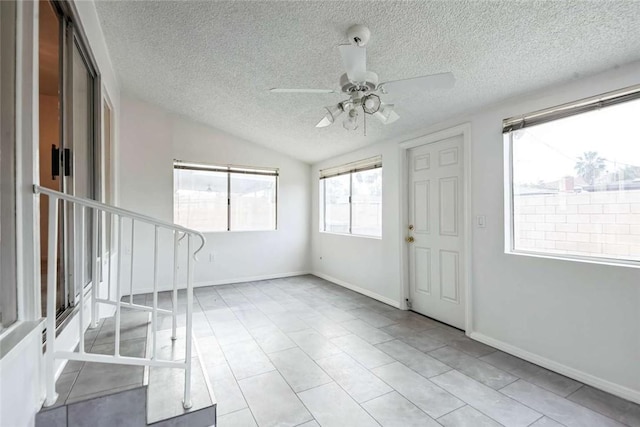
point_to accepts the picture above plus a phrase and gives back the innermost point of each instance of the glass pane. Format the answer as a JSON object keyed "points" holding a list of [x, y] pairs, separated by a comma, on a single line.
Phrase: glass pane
{"points": [[50, 119], [367, 203], [253, 202], [200, 199], [576, 185], [82, 153], [336, 204]]}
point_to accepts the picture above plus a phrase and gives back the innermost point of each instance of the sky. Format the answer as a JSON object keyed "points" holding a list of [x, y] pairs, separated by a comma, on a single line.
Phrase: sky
{"points": [[549, 151]]}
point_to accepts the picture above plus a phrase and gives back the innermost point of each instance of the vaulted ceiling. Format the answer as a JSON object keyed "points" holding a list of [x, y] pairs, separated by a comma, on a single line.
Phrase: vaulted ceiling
{"points": [[214, 62]]}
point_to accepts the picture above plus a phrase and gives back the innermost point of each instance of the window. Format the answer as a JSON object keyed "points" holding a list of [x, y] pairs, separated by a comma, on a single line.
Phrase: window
{"points": [[573, 180], [351, 198], [224, 198]]}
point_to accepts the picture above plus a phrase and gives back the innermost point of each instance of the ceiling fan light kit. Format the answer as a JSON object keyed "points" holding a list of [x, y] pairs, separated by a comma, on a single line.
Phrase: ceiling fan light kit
{"points": [[333, 112], [363, 88]]}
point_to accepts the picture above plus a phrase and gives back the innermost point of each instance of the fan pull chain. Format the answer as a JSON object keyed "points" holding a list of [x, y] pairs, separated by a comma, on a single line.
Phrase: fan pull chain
{"points": [[364, 121]]}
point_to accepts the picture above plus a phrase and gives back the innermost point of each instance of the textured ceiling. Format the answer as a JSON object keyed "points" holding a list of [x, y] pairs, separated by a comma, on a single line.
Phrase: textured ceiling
{"points": [[215, 61]]}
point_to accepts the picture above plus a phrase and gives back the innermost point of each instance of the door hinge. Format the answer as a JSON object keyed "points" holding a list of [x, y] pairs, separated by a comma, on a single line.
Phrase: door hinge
{"points": [[409, 305]]}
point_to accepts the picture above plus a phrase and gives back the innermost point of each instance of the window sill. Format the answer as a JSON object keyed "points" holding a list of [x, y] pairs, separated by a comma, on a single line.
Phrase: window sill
{"points": [[333, 233], [576, 258], [15, 335], [238, 231]]}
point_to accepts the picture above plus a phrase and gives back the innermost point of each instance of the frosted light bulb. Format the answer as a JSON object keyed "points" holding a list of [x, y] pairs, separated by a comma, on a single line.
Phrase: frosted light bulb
{"points": [[351, 122], [369, 103]]}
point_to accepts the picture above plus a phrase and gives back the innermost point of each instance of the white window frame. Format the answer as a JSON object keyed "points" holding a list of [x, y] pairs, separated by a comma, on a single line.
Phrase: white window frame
{"points": [[346, 169], [544, 116], [229, 170], [9, 308]]}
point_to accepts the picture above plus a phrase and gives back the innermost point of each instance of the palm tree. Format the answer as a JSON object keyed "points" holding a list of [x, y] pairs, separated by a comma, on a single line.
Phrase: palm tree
{"points": [[590, 166]]}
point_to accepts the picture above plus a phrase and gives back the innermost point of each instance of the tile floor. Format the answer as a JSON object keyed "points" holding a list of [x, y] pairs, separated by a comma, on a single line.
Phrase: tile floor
{"points": [[81, 381], [302, 351]]}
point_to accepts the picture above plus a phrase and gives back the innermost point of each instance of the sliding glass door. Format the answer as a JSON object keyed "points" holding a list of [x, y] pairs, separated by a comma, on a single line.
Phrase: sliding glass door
{"points": [[67, 147]]}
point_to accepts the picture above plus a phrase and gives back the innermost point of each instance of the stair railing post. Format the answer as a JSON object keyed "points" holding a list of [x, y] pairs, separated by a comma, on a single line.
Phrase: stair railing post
{"points": [[154, 313], [187, 372], [52, 272], [118, 287], [79, 262], [174, 335], [109, 220], [97, 271], [133, 234]]}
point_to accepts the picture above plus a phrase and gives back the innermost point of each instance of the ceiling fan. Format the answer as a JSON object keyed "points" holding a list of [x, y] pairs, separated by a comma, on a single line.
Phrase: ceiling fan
{"points": [[363, 89]]}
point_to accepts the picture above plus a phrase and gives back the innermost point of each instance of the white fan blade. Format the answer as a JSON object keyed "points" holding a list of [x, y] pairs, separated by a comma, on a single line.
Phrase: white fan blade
{"points": [[280, 90], [354, 59], [398, 88]]}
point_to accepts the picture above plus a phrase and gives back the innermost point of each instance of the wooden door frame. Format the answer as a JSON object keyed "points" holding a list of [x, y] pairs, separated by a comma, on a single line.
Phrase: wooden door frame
{"points": [[463, 130]]}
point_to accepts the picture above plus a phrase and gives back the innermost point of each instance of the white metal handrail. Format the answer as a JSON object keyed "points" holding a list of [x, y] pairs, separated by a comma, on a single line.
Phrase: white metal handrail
{"points": [[110, 213]]}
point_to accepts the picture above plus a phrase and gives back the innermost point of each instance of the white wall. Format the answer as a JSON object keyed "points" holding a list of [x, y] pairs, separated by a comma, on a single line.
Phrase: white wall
{"points": [[581, 319], [20, 373], [150, 139], [366, 265]]}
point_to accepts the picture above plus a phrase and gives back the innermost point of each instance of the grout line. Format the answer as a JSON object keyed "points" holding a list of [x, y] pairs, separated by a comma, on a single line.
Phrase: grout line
{"points": [[531, 378], [465, 405], [538, 419], [393, 390], [573, 392], [561, 397], [498, 391]]}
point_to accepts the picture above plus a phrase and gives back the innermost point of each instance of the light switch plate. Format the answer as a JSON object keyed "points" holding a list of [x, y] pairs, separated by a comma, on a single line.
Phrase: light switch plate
{"points": [[481, 221]]}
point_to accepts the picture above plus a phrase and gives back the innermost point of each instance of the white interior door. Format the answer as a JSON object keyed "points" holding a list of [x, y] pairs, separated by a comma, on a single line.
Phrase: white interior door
{"points": [[436, 230]]}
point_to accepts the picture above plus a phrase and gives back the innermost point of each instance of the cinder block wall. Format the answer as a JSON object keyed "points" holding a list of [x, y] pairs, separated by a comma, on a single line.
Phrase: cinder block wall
{"points": [[603, 223]]}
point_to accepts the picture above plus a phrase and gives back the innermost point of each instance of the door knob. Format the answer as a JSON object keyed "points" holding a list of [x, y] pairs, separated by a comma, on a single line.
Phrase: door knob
{"points": [[410, 239], [411, 227]]}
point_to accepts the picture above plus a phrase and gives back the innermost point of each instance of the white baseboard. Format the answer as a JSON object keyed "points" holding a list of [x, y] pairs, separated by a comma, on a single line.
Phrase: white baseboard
{"points": [[359, 290], [149, 289], [583, 377]]}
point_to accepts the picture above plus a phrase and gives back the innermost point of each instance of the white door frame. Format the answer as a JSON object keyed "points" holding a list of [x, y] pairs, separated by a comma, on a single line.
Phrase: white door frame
{"points": [[463, 130]]}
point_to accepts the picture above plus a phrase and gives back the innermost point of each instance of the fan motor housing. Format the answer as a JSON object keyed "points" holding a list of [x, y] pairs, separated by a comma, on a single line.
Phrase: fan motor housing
{"points": [[358, 35], [369, 85]]}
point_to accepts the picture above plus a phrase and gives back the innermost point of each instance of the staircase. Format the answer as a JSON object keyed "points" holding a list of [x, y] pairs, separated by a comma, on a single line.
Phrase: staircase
{"points": [[96, 394], [137, 367]]}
